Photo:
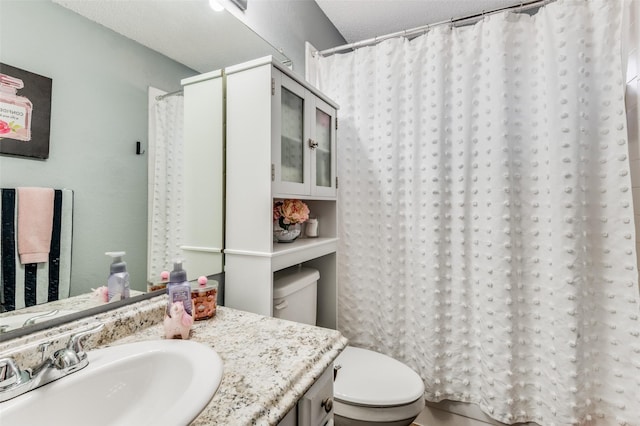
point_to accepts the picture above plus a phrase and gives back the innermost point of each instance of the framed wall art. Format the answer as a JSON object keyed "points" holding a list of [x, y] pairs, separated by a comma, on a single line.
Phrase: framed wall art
{"points": [[25, 113]]}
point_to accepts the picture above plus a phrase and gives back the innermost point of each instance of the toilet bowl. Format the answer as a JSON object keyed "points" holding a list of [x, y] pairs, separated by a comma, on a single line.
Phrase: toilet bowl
{"points": [[370, 388], [374, 389]]}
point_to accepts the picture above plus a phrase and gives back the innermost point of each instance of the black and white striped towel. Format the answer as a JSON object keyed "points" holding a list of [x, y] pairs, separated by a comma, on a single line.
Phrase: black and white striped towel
{"points": [[34, 283]]}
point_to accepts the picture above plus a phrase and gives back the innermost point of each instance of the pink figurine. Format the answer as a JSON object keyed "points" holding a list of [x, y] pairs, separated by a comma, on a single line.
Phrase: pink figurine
{"points": [[101, 293], [164, 275], [179, 323]]}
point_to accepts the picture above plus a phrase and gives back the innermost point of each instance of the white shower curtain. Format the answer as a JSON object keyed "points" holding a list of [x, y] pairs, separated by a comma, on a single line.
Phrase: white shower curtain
{"points": [[486, 217], [165, 183]]}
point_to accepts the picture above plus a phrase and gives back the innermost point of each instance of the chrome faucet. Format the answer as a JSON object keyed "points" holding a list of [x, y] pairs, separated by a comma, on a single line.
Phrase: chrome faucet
{"points": [[15, 382]]}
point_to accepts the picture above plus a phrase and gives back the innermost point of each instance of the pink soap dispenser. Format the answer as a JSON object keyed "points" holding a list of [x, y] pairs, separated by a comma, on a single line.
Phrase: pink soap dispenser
{"points": [[178, 318]]}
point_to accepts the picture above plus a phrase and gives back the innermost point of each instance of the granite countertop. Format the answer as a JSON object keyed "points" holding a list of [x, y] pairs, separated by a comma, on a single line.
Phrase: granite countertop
{"points": [[268, 364]]}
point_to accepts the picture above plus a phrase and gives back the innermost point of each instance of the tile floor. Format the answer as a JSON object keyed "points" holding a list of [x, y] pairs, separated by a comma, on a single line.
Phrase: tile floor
{"points": [[451, 413]]}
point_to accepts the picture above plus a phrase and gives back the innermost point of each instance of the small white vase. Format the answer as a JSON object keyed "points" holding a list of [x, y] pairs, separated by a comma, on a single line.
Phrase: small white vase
{"points": [[287, 235]]}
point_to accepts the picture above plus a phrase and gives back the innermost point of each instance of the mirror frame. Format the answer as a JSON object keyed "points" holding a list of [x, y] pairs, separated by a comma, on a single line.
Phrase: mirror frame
{"points": [[91, 312], [23, 331]]}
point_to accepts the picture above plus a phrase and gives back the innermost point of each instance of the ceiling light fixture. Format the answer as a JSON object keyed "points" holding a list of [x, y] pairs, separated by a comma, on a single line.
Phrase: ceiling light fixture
{"points": [[216, 6]]}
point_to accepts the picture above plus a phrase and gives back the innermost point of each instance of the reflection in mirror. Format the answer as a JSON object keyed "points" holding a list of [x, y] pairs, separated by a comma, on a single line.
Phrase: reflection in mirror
{"points": [[99, 109], [89, 308]]}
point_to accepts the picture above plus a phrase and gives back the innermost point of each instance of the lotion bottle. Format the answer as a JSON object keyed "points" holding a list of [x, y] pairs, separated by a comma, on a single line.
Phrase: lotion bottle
{"points": [[179, 289], [118, 282]]}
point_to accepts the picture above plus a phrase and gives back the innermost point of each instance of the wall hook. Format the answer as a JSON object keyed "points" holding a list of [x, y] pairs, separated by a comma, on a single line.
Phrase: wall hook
{"points": [[139, 150]]}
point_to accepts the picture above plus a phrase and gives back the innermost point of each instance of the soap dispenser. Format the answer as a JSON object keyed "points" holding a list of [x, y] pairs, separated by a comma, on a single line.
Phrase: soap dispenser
{"points": [[118, 282], [179, 289]]}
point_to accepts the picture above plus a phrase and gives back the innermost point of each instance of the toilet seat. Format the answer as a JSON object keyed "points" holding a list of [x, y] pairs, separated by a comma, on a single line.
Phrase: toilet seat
{"points": [[372, 379], [372, 415]]}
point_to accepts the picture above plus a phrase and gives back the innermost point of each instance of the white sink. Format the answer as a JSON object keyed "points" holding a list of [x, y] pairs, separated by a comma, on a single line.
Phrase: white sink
{"points": [[157, 382]]}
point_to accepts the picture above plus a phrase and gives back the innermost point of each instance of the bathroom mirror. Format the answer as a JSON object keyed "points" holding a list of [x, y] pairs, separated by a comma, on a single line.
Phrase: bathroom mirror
{"points": [[101, 78]]}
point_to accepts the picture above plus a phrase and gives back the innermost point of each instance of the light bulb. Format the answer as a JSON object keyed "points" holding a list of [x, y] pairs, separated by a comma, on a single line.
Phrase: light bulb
{"points": [[216, 6]]}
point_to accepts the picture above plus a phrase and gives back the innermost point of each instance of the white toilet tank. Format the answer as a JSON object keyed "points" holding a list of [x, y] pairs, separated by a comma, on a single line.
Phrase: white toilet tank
{"points": [[295, 294]]}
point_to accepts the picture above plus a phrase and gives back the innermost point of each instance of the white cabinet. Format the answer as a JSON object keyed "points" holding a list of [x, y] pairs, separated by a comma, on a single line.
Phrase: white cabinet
{"points": [[303, 140], [273, 123], [203, 174]]}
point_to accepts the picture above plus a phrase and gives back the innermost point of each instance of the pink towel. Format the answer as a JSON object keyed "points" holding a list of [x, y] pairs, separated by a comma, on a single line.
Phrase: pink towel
{"points": [[35, 223]]}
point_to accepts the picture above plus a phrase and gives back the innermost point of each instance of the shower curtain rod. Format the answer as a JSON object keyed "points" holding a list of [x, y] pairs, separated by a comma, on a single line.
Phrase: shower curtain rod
{"points": [[424, 28], [166, 95]]}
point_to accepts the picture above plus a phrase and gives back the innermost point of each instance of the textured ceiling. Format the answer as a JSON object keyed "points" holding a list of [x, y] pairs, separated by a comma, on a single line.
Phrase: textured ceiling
{"points": [[364, 19]]}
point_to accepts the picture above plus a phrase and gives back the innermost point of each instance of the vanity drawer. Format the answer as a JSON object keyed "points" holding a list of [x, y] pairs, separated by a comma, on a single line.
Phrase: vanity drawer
{"points": [[315, 408]]}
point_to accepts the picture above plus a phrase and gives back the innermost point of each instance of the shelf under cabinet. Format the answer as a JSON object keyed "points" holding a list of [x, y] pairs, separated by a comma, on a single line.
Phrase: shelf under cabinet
{"points": [[289, 254]]}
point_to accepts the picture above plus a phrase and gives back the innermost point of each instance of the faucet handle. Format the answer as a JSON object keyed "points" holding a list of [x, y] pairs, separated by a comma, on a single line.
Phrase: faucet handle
{"points": [[75, 343], [10, 374], [64, 359], [33, 319]]}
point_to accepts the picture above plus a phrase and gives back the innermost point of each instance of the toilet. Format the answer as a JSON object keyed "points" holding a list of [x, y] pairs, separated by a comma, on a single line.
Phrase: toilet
{"points": [[370, 388]]}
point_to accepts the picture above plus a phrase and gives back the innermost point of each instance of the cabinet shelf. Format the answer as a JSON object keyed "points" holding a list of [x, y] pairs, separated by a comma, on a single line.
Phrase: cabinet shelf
{"points": [[289, 254], [301, 250], [292, 139]]}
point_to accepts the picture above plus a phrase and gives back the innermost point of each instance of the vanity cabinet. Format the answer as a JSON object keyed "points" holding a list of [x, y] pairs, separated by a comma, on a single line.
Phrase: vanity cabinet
{"points": [[315, 408], [280, 144]]}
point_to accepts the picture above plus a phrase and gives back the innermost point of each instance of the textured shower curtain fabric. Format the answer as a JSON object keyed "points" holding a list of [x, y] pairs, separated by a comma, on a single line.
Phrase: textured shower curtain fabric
{"points": [[486, 218], [166, 186]]}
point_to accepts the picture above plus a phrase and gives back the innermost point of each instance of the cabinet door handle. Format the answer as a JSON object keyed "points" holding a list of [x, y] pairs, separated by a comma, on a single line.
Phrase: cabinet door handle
{"points": [[312, 144], [327, 404]]}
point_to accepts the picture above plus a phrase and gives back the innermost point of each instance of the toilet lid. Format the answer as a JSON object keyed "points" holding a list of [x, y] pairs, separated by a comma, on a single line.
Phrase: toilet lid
{"points": [[374, 379]]}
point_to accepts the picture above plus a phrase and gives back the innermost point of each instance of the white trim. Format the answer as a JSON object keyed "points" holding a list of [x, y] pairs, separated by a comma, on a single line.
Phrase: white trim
{"points": [[310, 64], [202, 249], [151, 154]]}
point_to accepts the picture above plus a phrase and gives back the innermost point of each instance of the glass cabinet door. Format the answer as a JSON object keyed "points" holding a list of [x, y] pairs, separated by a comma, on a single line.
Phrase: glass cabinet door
{"points": [[323, 143], [303, 141], [290, 149], [292, 137], [323, 149]]}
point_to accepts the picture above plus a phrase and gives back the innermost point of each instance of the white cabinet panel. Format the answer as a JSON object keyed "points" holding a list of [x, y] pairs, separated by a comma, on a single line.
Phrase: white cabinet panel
{"points": [[203, 174]]}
